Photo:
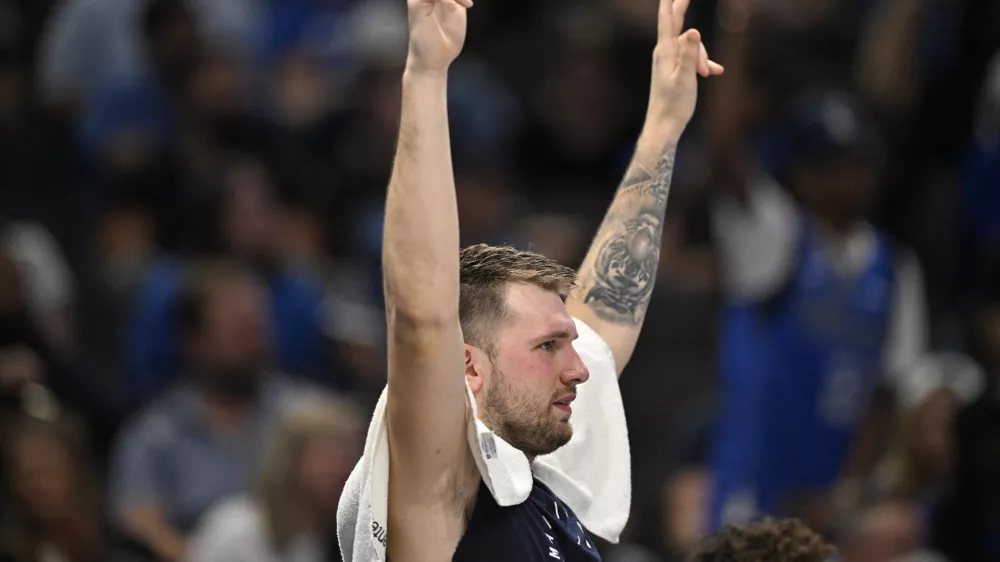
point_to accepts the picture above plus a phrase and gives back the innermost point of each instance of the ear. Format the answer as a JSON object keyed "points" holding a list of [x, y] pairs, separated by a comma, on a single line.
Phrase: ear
{"points": [[477, 367]]}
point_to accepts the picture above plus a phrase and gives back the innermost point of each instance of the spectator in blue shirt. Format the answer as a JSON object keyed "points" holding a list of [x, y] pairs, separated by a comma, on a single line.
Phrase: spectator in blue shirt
{"points": [[200, 442]]}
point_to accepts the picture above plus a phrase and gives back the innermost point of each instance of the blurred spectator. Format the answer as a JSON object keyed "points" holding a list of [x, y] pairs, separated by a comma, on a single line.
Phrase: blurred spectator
{"points": [[47, 280], [242, 219], [360, 341], [965, 526], [775, 541], [823, 309], [54, 509], [29, 139], [888, 531], [217, 113], [671, 526], [323, 28], [128, 129], [290, 516], [301, 93], [686, 498], [919, 461], [23, 23], [29, 358], [89, 43], [686, 493], [19, 367], [201, 441], [980, 240], [161, 143]]}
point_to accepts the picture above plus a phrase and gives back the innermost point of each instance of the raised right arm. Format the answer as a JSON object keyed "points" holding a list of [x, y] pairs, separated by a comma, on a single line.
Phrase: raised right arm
{"points": [[426, 402]]}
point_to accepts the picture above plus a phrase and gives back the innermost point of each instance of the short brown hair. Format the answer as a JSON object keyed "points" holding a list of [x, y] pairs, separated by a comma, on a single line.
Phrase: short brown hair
{"points": [[787, 540], [485, 273]]}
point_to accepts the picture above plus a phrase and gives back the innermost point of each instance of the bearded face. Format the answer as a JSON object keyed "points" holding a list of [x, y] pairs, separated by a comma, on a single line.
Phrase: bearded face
{"points": [[525, 386], [527, 422]]}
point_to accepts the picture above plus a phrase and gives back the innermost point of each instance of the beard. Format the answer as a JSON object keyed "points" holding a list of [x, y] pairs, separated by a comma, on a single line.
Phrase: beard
{"points": [[525, 425], [233, 382]]}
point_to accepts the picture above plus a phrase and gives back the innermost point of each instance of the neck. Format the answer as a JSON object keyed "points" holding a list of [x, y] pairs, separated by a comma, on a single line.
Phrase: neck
{"points": [[834, 224], [226, 412], [232, 394], [223, 397]]}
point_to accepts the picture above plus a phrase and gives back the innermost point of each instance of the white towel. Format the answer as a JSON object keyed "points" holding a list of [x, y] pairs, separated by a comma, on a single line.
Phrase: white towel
{"points": [[591, 473]]}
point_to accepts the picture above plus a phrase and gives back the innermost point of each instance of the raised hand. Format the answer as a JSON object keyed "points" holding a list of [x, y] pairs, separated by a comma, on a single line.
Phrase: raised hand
{"points": [[677, 60], [437, 33]]}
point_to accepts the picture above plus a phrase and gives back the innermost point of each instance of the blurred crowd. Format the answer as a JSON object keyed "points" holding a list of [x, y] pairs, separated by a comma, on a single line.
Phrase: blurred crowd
{"points": [[191, 325]]}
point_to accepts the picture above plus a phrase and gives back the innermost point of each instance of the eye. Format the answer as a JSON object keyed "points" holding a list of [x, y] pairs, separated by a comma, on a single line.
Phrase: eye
{"points": [[548, 346]]}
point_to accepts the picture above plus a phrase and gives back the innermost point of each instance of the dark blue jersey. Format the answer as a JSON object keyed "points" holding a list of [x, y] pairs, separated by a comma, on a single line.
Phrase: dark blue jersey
{"points": [[540, 529]]}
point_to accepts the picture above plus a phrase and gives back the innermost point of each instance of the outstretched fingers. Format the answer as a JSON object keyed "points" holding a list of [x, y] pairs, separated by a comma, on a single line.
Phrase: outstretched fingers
{"points": [[679, 9], [667, 38]]}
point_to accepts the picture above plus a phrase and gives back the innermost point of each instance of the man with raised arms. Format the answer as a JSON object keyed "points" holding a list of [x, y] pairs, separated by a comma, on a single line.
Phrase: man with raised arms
{"points": [[505, 322]]}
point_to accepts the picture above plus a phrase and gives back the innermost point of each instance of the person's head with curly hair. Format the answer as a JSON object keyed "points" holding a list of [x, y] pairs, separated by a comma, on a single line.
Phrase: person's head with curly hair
{"points": [[767, 541]]}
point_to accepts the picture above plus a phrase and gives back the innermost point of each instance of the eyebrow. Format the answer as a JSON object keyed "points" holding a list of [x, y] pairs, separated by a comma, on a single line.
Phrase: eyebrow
{"points": [[557, 335]]}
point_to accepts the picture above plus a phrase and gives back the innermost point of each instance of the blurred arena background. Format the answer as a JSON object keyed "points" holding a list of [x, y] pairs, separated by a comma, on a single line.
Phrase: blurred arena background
{"points": [[195, 187]]}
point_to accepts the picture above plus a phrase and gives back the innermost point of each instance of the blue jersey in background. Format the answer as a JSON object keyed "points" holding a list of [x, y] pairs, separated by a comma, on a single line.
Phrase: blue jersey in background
{"points": [[798, 369]]}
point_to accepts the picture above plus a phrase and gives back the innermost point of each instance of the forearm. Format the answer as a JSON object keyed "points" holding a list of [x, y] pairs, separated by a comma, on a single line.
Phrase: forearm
{"points": [[871, 433], [887, 71], [725, 118], [420, 265], [617, 276], [421, 243], [727, 115]]}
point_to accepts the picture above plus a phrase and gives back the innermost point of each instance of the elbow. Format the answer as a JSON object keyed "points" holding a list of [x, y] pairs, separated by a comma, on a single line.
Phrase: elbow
{"points": [[414, 298], [421, 312]]}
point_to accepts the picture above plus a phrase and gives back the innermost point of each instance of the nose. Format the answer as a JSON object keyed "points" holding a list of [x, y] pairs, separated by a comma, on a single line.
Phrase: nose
{"points": [[576, 372]]}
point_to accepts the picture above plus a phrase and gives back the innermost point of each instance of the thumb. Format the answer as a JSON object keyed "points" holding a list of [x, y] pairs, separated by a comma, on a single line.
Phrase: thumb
{"points": [[690, 50]]}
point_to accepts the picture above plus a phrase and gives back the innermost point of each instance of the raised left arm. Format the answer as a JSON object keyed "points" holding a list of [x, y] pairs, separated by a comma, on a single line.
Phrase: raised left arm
{"points": [[617, 276]]}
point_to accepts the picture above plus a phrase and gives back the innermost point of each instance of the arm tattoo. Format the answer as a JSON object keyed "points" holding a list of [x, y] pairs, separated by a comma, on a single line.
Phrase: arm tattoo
{"points": [[656, 184], [628, 245], [626, 269], [660, 188]]}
